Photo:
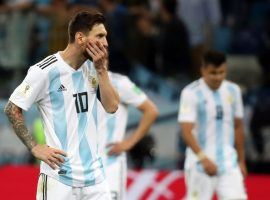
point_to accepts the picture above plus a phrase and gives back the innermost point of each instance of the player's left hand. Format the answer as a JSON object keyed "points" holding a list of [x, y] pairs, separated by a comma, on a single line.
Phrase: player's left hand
{"points": [[243, 168], [119, 147]]}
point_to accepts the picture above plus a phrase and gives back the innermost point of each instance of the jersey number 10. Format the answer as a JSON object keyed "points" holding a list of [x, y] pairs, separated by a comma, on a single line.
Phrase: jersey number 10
{"points": [[219, 112], [81, 102]]}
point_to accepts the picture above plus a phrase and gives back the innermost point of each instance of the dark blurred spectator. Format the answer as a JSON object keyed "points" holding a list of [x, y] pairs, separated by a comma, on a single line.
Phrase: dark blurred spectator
{"points": [[142, 41], [60, 14], [264, 57], [233, 12], [78, 5], [173, 41], [84, 2], [40, 38], [116, 16], [261, 108], [15, 42], [15, 51], [143, 152], [3, 25], [201, 18], [260, 120]]}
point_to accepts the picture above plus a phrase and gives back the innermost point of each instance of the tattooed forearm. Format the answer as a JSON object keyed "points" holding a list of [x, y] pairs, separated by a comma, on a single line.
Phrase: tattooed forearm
{"points": [[15, 116]]}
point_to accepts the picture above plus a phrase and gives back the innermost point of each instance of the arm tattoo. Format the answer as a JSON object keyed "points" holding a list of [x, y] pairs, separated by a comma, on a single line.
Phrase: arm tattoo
{"points": [[15, 116]]}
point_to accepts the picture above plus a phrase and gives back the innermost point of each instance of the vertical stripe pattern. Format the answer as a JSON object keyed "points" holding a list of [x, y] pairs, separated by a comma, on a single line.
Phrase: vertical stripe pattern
{"points": [[59, 115], [44, 186], [219, 134], [111, 122], [110, 130], [84, 149], [202, 124], [94, 114], [202, 119], [233, 93]]}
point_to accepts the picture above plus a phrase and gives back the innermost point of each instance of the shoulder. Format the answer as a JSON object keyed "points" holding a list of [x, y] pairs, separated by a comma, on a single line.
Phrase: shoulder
{"points": [[46, 64], [119, 80], [232, 86], [192, 87], [118, 77]]}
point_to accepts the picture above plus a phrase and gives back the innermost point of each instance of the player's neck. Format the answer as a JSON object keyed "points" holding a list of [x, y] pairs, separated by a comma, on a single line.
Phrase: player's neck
{"points": [[73, 57]]}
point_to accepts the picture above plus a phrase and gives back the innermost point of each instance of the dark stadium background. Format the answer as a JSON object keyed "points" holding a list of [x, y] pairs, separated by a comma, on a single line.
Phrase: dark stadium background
{"points": [[158, 46]]}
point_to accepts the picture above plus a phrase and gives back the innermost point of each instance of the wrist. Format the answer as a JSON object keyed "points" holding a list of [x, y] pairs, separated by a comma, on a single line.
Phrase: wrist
{"points": [[201, 155], [241, 161], [101, 70], [32, 145], [32, 148], [129, 144]]}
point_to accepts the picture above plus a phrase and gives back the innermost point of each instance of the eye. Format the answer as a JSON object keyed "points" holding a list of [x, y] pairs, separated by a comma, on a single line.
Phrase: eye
{"points": [[100, 35]]}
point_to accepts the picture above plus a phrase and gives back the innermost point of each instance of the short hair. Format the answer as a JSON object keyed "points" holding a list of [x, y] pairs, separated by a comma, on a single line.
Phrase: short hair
{"points": [[84, 21], [213, 57]]}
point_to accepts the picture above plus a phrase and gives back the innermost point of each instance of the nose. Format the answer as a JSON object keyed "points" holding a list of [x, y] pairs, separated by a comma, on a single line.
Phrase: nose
{"points": [[104, 42], [219, 77]]}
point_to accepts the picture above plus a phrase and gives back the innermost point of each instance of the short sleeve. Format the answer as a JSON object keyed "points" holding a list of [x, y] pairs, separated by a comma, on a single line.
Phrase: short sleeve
{"points": [[239, 113], [31, 90], [187, 107], [129, 93]]}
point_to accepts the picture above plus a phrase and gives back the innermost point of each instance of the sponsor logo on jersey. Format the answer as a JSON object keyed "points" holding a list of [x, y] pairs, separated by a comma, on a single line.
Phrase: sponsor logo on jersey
{"points": [[62, 88], [62, 171]]}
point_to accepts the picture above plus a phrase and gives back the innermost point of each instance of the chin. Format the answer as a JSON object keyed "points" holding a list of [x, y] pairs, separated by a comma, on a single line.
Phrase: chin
{"points": [[217, 86]]}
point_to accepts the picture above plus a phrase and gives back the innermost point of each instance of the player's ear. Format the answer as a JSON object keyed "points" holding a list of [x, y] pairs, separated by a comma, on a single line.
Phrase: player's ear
{"points": [[80, 38]]}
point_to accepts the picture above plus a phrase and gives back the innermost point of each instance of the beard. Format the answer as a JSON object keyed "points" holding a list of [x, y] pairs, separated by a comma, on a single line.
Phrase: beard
{"points": [[87, 56]]}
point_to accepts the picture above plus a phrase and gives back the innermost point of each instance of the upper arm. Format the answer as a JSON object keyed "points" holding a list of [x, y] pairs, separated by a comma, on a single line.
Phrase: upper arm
{"points": [[148, 107], [238, 123], [186, 127], [239, 108], [31, 90], [130, 94], [187, 107]]}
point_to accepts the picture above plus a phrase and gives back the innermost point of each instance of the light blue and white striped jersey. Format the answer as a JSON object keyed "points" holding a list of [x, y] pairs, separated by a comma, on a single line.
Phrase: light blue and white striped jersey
{"points": [[112, 127], [213, 114], [67, 101]]}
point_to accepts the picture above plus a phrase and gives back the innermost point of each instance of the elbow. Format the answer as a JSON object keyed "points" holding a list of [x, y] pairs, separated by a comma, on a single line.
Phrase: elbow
{"points": [[112, 108], [6, 110], [154, 112]]}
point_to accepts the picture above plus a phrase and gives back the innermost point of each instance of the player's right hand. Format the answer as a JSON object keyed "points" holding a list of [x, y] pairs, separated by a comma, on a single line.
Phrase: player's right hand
{"points": [[53, 157], [99, 54], [209, 166]]}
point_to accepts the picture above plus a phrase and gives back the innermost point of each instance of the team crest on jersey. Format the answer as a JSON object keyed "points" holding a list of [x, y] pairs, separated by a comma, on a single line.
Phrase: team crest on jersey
{"points": [[230, 99], [93, 81]]}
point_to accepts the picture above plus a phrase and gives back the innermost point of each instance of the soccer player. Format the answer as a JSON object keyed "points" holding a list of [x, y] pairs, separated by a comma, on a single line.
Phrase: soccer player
{"points": [[64, 88], [210, 116], [113, 144]]}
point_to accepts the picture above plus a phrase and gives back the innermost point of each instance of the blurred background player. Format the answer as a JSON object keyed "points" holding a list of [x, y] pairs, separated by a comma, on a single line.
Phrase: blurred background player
{"points": [[62, 86], [113, 145], [210, 116]]}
